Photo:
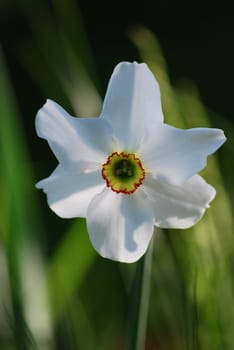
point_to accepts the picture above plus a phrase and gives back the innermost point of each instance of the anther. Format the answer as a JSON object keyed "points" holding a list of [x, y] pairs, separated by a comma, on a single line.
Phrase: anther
{"points": [[123, 172]]}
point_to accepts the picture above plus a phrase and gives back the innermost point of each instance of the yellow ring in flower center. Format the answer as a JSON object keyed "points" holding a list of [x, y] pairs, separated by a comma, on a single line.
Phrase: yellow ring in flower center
{"points": [[123, 172]]}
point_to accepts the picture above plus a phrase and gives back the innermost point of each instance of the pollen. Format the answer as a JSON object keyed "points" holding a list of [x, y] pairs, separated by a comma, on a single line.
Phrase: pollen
{"points": [[123, 172]]}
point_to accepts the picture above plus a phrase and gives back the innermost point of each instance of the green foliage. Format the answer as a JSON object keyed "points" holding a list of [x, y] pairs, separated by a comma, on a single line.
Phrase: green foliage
{"points": [[56, 292]]}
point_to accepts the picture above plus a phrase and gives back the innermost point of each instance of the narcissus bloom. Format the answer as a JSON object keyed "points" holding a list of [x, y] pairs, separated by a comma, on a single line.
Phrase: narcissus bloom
{"points": [[126, 171]]}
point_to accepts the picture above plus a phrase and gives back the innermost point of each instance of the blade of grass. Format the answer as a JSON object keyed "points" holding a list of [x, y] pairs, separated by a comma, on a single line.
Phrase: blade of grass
{"points": [[20, 221], [12, 152], [139, 302], [70, 63], [195, 339], [69, 266]]}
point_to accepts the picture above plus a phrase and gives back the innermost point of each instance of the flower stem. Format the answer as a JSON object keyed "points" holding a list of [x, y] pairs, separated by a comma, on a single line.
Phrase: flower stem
{"points": [[139, 302]]}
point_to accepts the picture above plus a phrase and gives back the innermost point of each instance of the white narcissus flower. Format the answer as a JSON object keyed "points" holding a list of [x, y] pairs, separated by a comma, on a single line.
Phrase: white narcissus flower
{"points": [[126, 171]]}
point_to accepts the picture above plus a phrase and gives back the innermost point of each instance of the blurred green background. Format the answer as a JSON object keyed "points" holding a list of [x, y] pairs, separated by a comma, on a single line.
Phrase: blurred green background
{"points": [[55, 291]]}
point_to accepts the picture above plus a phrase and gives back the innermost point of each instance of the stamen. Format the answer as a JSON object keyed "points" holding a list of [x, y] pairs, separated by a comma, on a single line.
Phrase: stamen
{"points": [[123, 172]]}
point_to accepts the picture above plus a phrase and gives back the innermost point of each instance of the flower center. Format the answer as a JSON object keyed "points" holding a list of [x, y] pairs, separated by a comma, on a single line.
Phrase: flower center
{"points": [[123, 172]]}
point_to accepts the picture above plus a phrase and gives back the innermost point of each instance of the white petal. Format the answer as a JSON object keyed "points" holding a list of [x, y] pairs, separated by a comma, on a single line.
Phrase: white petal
{"points": [[120, 226], [74, 139], [178, 206], [174, 155], [132, 102], [70, 191]]}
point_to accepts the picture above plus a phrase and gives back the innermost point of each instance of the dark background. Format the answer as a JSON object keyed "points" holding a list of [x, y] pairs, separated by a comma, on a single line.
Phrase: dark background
{"points": [[196, 39]]}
